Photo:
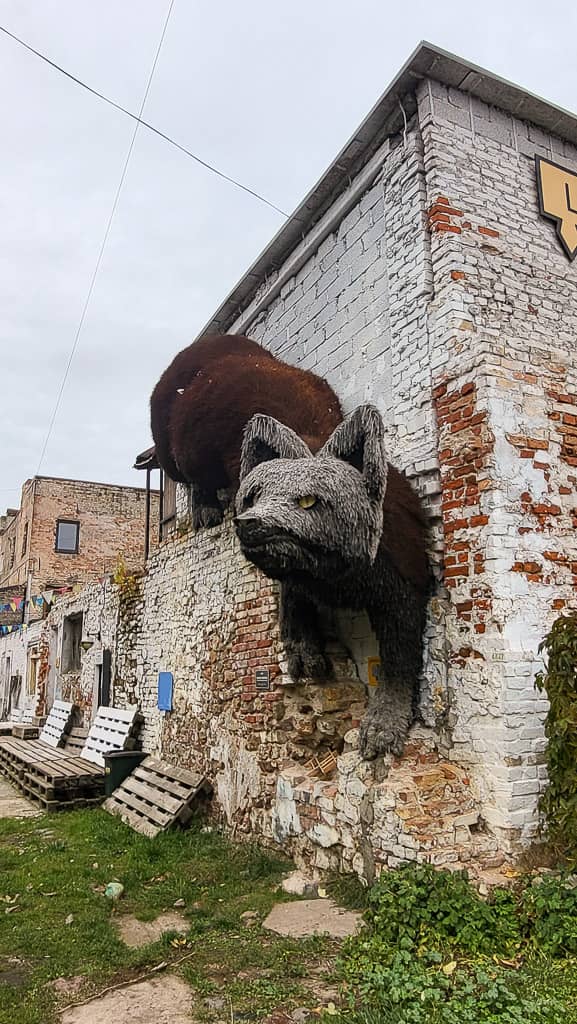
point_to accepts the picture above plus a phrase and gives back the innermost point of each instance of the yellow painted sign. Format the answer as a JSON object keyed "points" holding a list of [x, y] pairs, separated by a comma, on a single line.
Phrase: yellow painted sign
{"points": [[557, 188], [374, 671]]}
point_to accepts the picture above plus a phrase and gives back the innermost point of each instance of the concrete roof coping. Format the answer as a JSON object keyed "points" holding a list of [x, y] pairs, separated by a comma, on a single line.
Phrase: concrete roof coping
{"points": [[88, 483], [385, 119]]}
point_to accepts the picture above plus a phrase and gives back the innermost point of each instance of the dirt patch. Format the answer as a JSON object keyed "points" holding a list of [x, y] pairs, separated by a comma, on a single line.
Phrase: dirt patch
{"points": [[68, 988], [140, 933], [165, 1000], [13, 971], [312, 917]]}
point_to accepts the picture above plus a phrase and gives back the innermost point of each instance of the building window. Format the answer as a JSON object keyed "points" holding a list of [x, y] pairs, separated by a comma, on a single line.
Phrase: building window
{"points": [[24, 540], [71, 639], [168, 506], [67, 536], [33, 656]]}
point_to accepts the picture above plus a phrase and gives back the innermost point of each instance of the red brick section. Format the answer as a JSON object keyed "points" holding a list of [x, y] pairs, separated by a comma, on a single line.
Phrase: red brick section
{"points": [[442, 216], [43, 673], [465, 445], [564, 417]]}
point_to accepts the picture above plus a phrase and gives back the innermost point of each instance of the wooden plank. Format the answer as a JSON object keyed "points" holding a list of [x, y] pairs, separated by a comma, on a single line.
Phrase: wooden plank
{"points": [[163, 801], [179, 774], [132, 818], [163, 785], [154, 814], [123, 716]]}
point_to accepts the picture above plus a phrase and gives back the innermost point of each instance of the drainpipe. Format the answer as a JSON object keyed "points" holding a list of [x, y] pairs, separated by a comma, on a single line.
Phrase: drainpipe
{"points": [[147, 518]]}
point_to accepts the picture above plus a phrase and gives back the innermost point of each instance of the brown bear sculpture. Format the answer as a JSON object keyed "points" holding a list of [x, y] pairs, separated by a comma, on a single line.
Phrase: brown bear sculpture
{"points": [[203, 401]]}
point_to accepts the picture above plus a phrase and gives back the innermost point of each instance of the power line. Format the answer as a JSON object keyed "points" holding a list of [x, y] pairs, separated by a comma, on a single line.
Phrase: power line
{"points": [[103, 243], [145, 124]]}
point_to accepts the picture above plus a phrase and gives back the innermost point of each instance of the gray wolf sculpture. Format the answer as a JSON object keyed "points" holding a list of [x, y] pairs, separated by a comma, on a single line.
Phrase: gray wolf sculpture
{"points": [[340, 529]]}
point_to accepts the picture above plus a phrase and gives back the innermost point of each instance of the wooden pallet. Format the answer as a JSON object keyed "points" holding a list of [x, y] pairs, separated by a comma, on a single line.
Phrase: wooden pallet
{"points": [[112, 729], [49, 775], [25, 732], [75, 741], [58, 723], [157, 796], [57, 777]]}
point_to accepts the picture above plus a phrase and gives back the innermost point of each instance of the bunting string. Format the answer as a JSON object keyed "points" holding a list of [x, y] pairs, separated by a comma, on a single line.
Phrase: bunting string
{"points": [[39, 600]]}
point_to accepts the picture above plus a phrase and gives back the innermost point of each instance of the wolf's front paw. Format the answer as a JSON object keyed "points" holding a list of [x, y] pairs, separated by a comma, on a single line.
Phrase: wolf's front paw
{"points": [[206, 516], [307, 663], [378, 736]]}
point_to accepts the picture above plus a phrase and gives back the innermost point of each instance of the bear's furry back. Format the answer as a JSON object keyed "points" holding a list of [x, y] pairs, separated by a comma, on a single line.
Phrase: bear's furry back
{"points": [[224, 380]]}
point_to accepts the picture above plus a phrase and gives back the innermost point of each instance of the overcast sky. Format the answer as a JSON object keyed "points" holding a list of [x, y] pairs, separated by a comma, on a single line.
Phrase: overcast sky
{"points": [[269, 93]]}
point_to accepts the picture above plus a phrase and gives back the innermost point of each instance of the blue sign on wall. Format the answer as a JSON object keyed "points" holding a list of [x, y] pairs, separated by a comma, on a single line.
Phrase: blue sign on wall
{"points": [[165, 684]]}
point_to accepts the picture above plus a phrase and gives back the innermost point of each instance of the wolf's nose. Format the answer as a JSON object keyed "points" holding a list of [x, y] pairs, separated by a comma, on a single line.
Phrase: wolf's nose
{"points": [[250, 529]]}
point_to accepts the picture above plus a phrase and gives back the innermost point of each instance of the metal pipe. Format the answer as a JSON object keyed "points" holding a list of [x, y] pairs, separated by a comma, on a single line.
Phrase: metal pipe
{"points": [[147, 518]]}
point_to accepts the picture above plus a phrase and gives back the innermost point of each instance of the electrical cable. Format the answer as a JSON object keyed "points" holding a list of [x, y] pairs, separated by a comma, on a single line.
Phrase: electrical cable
{"points": [[103, 244], [145, 124]]}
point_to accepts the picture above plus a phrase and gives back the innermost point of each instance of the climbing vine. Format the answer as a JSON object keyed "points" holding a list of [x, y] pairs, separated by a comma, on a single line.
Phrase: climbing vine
{"points": [[559, 681], [128, 583]]}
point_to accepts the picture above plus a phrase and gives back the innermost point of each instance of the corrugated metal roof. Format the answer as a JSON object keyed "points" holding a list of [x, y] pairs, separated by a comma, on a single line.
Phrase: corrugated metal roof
{"points": [[385, 119]]}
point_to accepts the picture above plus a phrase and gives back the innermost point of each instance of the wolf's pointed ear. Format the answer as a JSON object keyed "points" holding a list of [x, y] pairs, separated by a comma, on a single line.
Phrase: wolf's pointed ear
{"points": [[265, 439], [360, 440]]}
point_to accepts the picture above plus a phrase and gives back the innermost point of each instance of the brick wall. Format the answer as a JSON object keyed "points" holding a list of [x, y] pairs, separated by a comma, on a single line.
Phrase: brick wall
{"points": [[98, 605], [111, 522], [206, 615], [503, 324]]}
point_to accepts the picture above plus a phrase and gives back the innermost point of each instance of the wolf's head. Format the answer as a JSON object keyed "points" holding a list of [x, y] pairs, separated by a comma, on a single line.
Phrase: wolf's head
{"points": [[299, 514]]}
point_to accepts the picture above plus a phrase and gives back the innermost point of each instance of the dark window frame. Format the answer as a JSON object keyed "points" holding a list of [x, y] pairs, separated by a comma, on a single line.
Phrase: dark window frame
{"points": [[24, 540], [71, 645], [67, 522]]}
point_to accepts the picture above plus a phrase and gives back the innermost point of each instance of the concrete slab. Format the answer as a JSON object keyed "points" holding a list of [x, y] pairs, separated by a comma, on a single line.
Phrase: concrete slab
{"points": [[137, 933], [312, 917], [163, 1000], [13, 804]]}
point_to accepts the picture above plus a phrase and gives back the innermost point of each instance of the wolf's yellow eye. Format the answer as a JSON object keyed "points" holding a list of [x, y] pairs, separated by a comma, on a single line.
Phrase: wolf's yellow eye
{"points": [[307, 501]]}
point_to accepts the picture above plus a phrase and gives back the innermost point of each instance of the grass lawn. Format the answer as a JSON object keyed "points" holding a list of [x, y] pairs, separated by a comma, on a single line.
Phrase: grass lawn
{"points": [[56, 866], [433, 952]]}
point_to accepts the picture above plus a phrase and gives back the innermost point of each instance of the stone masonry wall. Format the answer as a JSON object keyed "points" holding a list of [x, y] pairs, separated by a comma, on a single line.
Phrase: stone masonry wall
{"points": [[98, 605], [211, 619]]}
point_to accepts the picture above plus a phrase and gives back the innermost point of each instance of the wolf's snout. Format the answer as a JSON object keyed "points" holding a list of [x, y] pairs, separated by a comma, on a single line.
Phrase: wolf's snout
{"points": [[251, 530]]}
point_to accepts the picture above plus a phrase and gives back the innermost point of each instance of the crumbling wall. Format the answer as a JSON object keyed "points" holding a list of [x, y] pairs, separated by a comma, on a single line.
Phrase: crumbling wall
{"points": [[98, 605], [211, 619], [503, 322]]}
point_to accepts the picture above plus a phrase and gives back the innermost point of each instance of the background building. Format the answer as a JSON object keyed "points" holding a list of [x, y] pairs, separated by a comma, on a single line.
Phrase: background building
{"points": [[72, 531], [66, 533]]}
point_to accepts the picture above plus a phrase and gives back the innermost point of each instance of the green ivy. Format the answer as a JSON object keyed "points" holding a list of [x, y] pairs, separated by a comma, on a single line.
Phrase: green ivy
{"points": [[422, 906], [435, 952], [559, 681]]}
